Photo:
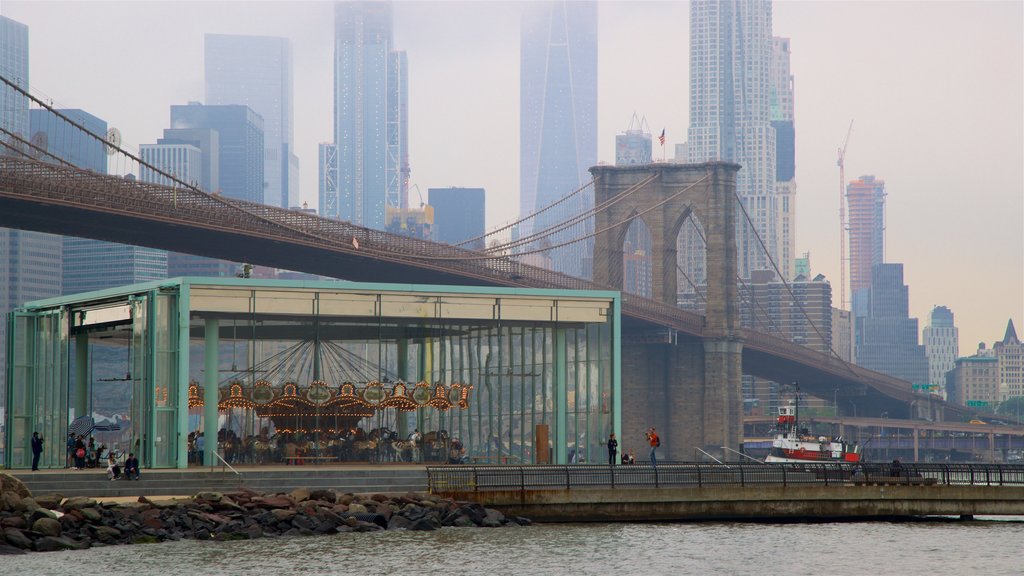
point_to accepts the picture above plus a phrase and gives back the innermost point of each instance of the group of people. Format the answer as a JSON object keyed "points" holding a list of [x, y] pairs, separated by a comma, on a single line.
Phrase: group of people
{"points": [[81, 455], [652, 438]]}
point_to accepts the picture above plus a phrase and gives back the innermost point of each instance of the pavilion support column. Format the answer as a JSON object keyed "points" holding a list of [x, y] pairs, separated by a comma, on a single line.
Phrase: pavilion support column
{"points": [[82, 383], [211, 357], [403, 374], [561, 438]]}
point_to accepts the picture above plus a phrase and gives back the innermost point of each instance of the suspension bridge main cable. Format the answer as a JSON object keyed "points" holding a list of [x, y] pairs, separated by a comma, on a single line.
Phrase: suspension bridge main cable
{"points": [[555, 228], [789, 289], [483, 256], [531, 216], [746, 297]]}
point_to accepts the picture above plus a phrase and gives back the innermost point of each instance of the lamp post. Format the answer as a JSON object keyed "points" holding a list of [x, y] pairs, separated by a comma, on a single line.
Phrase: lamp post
{"points": [[882, 434]]}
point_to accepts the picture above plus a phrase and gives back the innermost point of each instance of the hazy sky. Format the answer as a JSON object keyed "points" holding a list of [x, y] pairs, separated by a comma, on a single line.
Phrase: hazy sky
{"points": [[935, 89]]}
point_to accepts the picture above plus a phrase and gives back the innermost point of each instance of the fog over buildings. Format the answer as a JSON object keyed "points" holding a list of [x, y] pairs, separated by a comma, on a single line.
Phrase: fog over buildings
{"points": [[936, 93]]}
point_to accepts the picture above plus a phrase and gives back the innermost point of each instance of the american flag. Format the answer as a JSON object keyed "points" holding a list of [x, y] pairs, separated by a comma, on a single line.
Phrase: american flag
{"points": [[661, 138]]}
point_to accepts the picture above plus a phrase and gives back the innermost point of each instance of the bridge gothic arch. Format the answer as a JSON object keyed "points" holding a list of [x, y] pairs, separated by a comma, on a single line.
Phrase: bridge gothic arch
{"points": [[690, 389]]}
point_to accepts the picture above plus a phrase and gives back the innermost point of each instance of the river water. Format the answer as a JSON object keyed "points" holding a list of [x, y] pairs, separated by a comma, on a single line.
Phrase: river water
{"points": [[987, 547]]}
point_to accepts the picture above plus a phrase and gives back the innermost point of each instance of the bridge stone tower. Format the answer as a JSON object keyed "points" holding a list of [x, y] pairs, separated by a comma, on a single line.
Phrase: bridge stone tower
{"points": [[689, 389]]}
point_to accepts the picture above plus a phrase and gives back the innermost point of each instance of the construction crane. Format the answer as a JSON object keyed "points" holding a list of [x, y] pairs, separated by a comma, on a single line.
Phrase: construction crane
{"points": [[843, 259]]}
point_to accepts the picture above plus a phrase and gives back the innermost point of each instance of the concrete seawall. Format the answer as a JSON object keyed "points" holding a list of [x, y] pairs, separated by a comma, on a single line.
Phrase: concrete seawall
{"points": [[750, 502]]}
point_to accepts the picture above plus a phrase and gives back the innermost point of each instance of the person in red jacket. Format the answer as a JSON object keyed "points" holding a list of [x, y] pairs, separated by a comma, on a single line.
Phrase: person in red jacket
{"points": [[654, 441]]}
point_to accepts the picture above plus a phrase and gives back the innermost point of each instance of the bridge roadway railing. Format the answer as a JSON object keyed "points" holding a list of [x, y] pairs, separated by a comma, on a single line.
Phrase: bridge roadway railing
{"points": [[463, 478]]}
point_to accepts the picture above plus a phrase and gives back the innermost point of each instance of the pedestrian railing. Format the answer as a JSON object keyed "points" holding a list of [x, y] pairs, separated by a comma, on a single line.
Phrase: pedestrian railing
{"points": [[462, 478]]}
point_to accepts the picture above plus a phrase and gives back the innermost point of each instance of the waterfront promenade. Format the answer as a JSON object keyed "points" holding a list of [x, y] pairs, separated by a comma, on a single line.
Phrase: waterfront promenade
{"points": [[691, 492]]}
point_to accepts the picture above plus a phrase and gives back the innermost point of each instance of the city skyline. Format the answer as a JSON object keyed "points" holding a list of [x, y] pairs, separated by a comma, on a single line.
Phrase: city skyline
{"points": [[939, 121]]}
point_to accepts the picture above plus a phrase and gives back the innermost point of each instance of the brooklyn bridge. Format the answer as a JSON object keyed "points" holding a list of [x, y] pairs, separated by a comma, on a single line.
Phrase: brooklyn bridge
{"points": [[681, 371]]}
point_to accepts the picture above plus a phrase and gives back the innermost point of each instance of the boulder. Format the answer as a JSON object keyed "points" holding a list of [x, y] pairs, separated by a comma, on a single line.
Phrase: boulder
{"points": [[17, 538], [209, 496], [50, 501], [92, 515], [398, 522], [78, 502], [11, 485], [325, 495], [54, 543], [11, 502], [299, 494], [273, 502], [47, 527], [8, 550]]}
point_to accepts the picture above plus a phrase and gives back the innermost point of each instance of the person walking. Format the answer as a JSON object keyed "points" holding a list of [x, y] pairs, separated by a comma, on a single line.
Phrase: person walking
{"points": [[37, 450], [655, 442], [613, 449]]}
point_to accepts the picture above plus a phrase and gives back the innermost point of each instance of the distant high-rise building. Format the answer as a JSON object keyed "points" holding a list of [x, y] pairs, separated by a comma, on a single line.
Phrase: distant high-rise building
{"points": [[1010, 353], [414, 222], [240, 145], [865, 200], [181, 162], [886, 339], [842, 334], [682, 153], [459, 215], [558, 122], [327, 181], [207, 141], [941, 346], [257, 71], [802, 266], [398, 171], [370, 115], [782, 120], [14, 65], [219, 148], [30, 262], [974, 381], [730, 120], [91, 264], [634, 145]]}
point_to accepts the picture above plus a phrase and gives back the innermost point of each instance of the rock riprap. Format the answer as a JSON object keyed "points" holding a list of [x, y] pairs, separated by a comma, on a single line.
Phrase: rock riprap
{"points": [[51, 522]]}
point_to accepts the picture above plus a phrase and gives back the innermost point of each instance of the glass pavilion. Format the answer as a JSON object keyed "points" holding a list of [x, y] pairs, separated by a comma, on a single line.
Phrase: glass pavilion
{"points": [[316, 372]]}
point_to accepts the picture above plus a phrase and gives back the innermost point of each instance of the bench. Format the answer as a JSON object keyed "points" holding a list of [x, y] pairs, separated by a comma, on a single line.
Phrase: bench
{"points": [[892, 481]]}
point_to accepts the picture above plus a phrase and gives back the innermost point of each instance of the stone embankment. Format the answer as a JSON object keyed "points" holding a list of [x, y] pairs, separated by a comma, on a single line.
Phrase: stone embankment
{"points": [[52, 522]]}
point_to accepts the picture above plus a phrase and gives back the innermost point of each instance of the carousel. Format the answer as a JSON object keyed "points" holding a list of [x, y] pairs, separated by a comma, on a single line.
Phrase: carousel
{"points": [[279, 416]]}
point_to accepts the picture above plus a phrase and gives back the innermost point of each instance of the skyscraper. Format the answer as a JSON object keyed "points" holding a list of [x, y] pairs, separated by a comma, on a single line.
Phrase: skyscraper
{"points": [[327, 182], [865, 199], [240, 145], [782, 119], [370, 114], [634, 147], [886, 338], [92, 264], [558, 120], [30, 262], [730, 118], [941, 346], [257, 71]]}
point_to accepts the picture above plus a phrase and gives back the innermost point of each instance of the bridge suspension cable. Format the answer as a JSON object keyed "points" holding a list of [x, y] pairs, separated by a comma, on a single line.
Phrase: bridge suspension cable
{"points": [[485, 256], [789, 288], [552, 230], [529, 217]]}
